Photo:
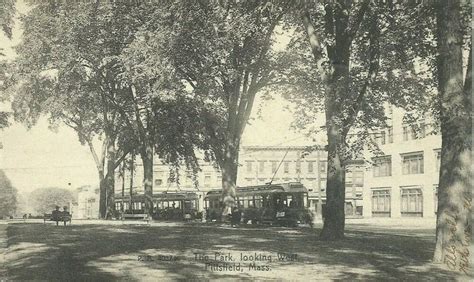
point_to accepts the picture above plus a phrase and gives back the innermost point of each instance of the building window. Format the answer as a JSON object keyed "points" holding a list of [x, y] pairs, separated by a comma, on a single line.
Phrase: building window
{"points": [[405, 133], [286, 167], [158, 182], [323, 184], [298, 166], [249, 166], [382, 166], [358, 178], [261, 166], [324, 166], [274, 166], [390, 135], [413, 163], [438, 159], [207, 181], [411, 202], [310, 167], [382, 138], [381, 202]]}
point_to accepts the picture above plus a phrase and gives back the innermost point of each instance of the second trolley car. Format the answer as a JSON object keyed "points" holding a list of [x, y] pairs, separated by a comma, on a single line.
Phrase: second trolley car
{"points": [[276, 204]]}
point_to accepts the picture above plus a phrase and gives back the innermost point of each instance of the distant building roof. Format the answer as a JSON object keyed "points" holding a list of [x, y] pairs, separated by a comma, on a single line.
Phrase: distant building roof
{"points": [[284, 148]]}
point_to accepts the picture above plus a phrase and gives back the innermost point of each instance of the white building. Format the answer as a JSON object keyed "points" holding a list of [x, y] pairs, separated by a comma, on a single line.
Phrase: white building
{"points": [[403, 181], [87, 206]]}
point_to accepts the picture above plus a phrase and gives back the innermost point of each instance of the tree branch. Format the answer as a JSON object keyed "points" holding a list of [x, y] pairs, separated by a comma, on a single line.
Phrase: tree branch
{"points": [[468, 79], [374, 63], [358, 19], [314, 41]]}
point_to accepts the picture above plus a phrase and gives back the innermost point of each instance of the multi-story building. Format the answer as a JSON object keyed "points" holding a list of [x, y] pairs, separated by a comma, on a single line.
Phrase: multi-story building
{"points": [[87, 204], [262, 164], [403, 181]]}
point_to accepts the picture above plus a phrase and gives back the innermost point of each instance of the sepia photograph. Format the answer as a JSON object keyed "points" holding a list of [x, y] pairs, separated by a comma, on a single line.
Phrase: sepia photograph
{"points": [[208, 140]]}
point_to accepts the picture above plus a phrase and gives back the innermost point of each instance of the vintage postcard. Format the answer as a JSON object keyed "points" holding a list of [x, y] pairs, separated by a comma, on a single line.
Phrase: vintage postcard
{"points": [[157, 140]]}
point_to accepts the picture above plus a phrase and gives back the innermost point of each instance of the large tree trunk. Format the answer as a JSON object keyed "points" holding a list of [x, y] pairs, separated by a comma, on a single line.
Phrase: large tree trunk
{"points": [[336, 80], [337, 88], [453, 228], [102, 195], [229, 168], [334, 220], [110, 180], [147, 159], [132, 167]]}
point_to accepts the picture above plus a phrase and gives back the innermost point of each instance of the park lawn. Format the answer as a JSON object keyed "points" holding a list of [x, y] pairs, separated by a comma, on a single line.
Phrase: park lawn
{"points": [[106, 252]]}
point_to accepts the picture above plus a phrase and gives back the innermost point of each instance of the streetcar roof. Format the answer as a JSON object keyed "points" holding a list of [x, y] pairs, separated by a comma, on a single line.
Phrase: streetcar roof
{"points": [[290, 187], [164, 196]]}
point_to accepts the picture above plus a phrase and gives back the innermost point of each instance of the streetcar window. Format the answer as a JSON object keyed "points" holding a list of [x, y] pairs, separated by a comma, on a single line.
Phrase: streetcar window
{"points": [[246, 202], [189, 205], [258, 201], [251, 202]]}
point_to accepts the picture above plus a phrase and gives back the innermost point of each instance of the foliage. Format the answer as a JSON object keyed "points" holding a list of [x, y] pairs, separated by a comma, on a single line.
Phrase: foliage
{"points": [[7, 12], [223, 54], [381, 71], [8, 196], [44, 200]]}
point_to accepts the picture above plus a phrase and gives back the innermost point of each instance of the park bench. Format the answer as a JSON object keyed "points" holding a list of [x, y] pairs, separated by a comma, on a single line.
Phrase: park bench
{"points": [[60, 217]]}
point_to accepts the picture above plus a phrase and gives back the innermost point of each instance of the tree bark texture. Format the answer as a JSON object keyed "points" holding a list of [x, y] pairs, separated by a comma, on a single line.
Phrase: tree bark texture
{"points": [[229, 168], [453, 228], [110, 180], [147, 159], [102, 195], [337, 89]]}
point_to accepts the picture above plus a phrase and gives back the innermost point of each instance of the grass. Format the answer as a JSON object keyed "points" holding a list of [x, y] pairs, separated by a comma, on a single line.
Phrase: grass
{"points": [[105, 252]]}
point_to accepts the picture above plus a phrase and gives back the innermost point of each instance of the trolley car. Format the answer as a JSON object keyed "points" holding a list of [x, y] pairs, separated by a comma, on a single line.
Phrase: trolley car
{"points": [[166, 205], [275, 204]]}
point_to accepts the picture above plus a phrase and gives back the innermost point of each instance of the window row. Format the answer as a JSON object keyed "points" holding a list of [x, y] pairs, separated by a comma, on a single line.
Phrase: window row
{"points": [[409, 132], [411, 202], [411, 164], [207, 181], [261, 166]]}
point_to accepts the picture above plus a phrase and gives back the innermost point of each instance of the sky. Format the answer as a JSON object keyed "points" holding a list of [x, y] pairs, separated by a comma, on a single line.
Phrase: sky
{"points": [[39, 157]]}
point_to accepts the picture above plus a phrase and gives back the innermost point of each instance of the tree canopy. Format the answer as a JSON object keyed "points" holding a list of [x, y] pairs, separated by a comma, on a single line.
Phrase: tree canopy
{"points": [[8, 196], [44, 200]]}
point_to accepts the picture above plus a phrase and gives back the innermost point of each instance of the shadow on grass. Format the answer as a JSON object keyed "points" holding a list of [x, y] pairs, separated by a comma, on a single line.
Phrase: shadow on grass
{"points": [[106, 252]]}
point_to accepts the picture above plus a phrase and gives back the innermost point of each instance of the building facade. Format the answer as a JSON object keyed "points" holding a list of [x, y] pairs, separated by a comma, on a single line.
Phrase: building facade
{"points": [[258, 165], [403, 181], [87, 204], [262, 164]]}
